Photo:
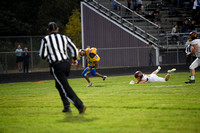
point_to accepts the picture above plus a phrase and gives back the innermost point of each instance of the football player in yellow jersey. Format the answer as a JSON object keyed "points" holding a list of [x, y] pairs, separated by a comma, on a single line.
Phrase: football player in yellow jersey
{"points": [[92, 58]]}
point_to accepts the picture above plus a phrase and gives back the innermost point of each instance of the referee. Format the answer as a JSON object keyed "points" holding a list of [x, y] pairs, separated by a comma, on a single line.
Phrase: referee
{"points": [[54, 47]]}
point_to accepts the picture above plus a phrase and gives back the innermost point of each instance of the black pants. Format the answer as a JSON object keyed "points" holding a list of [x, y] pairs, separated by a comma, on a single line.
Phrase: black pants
{"points": [[25, 66], [150, 61], [60, 72]]}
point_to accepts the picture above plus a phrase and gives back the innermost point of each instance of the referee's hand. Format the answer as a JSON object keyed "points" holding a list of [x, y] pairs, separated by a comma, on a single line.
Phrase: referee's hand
{"points": [[74, 62]]}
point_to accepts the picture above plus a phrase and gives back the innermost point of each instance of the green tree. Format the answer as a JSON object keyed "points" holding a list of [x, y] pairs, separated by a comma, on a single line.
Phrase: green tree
{"points": [[58, 11], [30, 17], [73, 27], [17, 17]]}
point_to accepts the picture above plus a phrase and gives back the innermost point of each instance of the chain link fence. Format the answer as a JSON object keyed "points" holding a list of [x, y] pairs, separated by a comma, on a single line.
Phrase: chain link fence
{"points": [[8, 56], [172, 54]]}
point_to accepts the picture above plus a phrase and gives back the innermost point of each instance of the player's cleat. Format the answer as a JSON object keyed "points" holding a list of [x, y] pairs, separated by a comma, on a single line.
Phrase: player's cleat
{"points": [[89, 84], [82, 111], [190, 81], [172, 70], [159, 68], [104, 77], [67, 109]]}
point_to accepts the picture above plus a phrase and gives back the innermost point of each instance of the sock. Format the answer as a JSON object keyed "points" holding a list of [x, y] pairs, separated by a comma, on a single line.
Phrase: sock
{"points": [[192, 78], [158, 69]]}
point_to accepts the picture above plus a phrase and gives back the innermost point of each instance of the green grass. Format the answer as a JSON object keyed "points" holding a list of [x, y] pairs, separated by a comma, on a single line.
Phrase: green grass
{"points": [[113, 106]]}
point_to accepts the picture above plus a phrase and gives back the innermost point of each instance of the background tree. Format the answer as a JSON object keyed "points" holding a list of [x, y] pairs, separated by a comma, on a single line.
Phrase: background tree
{"points": [[30, 17], [17, 17], [58, 11], [73, 27]]}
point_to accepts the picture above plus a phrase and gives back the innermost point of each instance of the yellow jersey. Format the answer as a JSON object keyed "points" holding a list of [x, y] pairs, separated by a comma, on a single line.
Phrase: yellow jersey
{"points": [[90, 60]]}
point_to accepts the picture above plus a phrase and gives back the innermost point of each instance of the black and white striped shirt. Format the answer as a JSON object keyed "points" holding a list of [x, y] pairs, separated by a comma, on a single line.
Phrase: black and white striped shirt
{"points": [[54, 47]]}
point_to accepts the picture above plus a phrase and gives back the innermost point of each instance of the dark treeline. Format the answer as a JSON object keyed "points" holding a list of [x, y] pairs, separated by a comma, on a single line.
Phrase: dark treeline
{"points": [[30, 17]]}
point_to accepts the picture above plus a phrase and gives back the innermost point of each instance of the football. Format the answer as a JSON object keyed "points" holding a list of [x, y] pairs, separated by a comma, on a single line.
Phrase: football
{"points": [[81, 52]]}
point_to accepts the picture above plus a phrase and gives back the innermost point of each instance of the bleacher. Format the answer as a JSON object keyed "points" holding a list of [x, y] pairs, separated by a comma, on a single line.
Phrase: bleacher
{"points": [[170, 15]]}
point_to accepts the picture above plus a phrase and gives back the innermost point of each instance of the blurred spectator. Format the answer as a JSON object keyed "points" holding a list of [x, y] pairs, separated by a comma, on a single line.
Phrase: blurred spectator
{"points": [[19, 58], [196, 9], [156, 16], [135, 5], [187, 4], [192, 26], [178, 3], [128, 3], [26, 57], [185, 27], [156, 13], [174, 33], [115, 5], [196, 4], [151, 53], [140, 6]]}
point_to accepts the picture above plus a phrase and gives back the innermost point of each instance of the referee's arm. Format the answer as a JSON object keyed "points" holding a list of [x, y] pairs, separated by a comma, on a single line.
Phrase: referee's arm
{"points": [[72, 48], [43, 49]]}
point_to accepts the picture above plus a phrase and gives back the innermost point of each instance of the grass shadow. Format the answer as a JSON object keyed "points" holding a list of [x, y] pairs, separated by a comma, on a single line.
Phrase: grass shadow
{"points": [[69, 117], [99, 86]]}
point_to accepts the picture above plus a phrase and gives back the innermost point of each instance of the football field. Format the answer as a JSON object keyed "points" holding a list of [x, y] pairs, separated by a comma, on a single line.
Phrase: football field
{"points": [[114, 106]]}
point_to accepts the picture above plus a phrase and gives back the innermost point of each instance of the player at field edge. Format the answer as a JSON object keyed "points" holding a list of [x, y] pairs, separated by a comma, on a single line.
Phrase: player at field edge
{"points": [[144, 78], [195, 50], [93, 59]]}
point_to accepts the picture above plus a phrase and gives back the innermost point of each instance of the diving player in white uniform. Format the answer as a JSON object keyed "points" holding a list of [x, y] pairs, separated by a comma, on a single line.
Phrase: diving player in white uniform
{"points": [[144, 78], [195, 50]]}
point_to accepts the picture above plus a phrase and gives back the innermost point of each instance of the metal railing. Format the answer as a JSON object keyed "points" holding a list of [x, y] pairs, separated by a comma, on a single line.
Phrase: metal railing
{"points": [[176, 43], [8, 56], [8, 62], [8, 59], [129, 19]]}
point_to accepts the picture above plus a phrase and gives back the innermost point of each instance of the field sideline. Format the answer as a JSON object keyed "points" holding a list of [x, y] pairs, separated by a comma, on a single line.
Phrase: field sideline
{"points": [[113, 106]]}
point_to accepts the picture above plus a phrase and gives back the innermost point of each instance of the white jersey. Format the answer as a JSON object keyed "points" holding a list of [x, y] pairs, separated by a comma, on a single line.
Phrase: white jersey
{"points": [[152, 78], [188, 47], [196, 41]]}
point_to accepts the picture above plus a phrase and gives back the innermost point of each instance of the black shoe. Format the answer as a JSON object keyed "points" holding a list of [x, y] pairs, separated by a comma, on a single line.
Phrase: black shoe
{"points": [[104, 77], [82, 110], [67, 109], [190, 81]]}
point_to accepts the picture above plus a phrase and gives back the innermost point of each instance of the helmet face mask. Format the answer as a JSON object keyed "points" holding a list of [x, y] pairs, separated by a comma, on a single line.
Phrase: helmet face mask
{"points": [[193, 35], [93, 52], [81, 52], [92, 55], [138, 75]]}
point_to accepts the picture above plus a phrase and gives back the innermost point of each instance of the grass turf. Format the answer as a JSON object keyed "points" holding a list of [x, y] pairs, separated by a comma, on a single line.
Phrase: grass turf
{"points": [[113, 106]]}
